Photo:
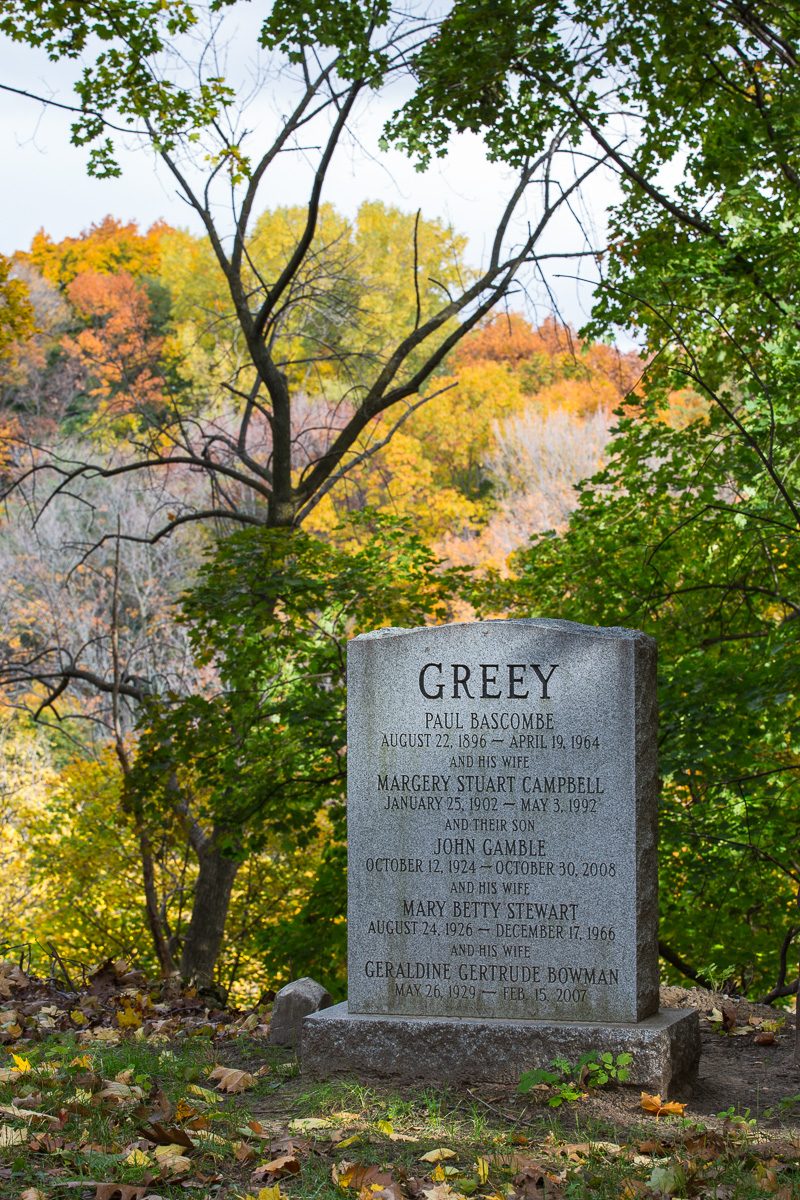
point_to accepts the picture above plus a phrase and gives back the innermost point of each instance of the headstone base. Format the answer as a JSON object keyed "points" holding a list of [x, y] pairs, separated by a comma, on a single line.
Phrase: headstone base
{"points": [[665, 1047]]}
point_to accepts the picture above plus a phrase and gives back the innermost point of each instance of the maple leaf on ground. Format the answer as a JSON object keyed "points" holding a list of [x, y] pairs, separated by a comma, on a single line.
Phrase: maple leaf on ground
{"points": [[267, 1193], [653, 1104], [231, 1080]]}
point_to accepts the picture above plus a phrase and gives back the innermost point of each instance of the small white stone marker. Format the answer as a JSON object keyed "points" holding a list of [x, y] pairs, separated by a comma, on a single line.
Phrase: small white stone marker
{"points": [[502, 852]]}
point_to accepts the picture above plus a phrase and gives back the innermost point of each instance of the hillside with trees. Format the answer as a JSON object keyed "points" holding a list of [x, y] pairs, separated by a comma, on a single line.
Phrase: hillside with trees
{"points": [[225, 454]]}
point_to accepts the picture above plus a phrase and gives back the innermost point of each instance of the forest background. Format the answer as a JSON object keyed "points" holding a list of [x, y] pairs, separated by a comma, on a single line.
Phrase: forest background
{"points": [[223, 460]]}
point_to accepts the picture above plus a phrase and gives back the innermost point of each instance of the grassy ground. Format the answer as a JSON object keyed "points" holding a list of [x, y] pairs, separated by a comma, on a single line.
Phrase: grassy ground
{"points": [[135, 1118]]}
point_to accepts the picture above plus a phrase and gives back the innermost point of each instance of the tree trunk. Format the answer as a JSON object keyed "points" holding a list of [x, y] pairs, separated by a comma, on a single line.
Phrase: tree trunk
{"points": [[212, 898], [162, 950]]}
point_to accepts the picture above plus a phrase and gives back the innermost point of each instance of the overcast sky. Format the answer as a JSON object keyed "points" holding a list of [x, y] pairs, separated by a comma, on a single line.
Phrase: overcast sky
{"points": [[46, 185]]}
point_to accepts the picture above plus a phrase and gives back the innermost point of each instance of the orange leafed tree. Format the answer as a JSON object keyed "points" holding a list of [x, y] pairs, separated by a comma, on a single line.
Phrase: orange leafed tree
{"points": [[118, 354]]}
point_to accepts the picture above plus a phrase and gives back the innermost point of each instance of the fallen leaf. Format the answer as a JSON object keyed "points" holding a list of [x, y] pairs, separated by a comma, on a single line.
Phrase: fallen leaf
{"points": [[303, 1124], [434, 1156], [32, 1194], [728, 1018], [284, 1164], [764, 1039], [653, 1104], [165, 1137], [359, 1176], [185, 1112], [634, 1187], [106, 1035], [482, 1170], [342, 1142], [121, 1092], [231, 1080], [172, 1161], [139, 1158], [204, 1093], [243, 1153], [12, 1137]]}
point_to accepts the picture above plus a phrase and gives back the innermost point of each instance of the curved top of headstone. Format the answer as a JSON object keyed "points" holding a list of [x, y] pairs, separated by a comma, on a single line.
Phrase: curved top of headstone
{"points": [[547, 623]]}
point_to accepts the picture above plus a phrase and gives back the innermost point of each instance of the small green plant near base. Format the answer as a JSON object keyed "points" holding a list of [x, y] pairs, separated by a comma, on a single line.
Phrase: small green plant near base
{"points": [[568, 1082], [789, 1104], [716, 976]]}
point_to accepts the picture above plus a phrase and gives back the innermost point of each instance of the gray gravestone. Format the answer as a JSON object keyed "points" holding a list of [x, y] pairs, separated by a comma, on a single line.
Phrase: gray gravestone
{"points": [[502, 853]]}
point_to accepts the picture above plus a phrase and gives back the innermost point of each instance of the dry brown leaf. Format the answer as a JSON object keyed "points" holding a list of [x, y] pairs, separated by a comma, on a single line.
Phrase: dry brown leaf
{"points": [[764, 1039], [359, 1175], [165, 1137], [230, 1080], [32, 1194], [634, 1187], [243, 1153], [284, 1164], [9, 1136]]}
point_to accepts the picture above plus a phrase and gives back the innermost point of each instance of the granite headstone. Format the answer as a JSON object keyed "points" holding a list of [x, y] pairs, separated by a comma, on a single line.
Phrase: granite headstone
{"points": [[502, 843]]}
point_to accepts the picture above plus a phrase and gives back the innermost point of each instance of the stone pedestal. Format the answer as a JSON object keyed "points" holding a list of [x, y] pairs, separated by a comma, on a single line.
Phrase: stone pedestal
{"points": [[665, 1047]]}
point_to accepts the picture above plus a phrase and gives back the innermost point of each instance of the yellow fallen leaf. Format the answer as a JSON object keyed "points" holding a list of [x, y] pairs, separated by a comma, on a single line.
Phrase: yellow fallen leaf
{"points": [[386, 1127], [128, 1018], [434, 1156], [139, 1158], [343, 1172], [267, 1193], [82, 1060], [350, 1141], [304, 1124], [204, 1093], [21, 1064], [173, 1159], [78, 1017], [482, 1170]]}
